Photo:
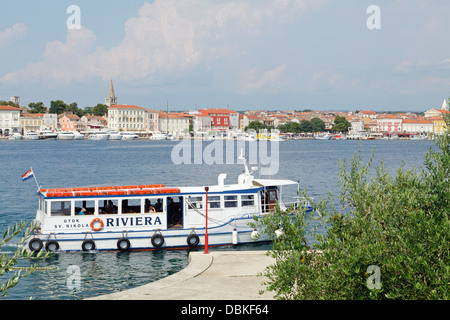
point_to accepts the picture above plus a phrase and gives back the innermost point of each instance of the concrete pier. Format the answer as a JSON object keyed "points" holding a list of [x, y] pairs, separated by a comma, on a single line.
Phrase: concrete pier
{"points": [[218, 275]]}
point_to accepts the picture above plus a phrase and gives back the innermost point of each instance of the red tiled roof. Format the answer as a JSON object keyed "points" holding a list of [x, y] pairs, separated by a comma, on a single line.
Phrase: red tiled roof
{"points": [[124, 106], [9, 108]]}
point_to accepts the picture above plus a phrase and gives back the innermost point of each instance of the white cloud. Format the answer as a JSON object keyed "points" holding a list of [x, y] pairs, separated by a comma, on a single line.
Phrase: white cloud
{"points": [[166, 41], [269, 81], [324, 81], [9, 34]]}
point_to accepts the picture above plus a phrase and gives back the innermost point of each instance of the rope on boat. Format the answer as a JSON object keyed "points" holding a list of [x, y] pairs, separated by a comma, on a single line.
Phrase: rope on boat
{"points": [[191, 206]]}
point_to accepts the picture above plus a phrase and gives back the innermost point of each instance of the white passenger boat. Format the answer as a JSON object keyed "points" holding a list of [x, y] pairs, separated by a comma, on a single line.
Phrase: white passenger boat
{"points": [[149, 217], [31, 135], [65, 135], [99, 135], [129, 136]]}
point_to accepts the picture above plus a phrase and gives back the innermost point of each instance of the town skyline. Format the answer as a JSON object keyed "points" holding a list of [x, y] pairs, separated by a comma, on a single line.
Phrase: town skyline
{"points": [[268, 55]]}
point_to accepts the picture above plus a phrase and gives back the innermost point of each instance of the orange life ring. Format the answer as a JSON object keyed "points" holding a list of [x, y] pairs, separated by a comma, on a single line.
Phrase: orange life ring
{"points": [[96, 228]]}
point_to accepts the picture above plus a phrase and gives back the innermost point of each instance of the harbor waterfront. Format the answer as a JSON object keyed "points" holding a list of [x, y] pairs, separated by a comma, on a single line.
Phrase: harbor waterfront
{"points": [[56, 164]]}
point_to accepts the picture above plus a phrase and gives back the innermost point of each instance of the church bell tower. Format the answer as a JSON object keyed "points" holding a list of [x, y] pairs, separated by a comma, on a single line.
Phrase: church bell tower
{"points": [[111, 98]]}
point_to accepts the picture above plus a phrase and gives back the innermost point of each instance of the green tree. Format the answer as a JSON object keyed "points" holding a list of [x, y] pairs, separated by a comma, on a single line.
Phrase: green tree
{"points": [[340, 124], [8, 261], [36, 107], [396, 225], [100, 110], [57, 107], [8, 103], [306, 126], [318, 125], [255, 125]]}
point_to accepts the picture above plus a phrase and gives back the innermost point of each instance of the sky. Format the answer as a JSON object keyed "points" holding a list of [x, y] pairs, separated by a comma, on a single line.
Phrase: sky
{"points": [[244, 54]]}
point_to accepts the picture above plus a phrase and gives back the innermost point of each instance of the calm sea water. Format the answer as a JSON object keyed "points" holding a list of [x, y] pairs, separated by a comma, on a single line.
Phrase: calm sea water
{"points": [[314, 163]]}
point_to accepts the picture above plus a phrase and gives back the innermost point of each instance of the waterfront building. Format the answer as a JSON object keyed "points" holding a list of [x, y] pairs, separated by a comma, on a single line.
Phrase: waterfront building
{"points": [[222, 119], [251, 118], [389, 124], [439, 125], [151, 120], [31, 122], [201, 123], [175, 123], [417, 125], [89, 122], [69, 122], [9, 120], [111, 98], [125, 117]]}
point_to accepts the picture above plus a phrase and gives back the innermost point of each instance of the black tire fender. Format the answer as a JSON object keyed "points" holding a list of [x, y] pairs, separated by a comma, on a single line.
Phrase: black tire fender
{"points": [[123, 244], [157, 240], [193, 240], [35, 245], [88, 245], [52, 244]]}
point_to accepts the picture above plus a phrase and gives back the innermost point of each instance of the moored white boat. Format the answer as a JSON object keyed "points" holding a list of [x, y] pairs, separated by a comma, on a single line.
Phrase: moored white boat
{"points": [[323, 137], [31, 135], [98, 135], [65, 135], [158, 136], [15, 136], [114, 135], [48, 135], [129, 136], [148, 217], [77, 135]]}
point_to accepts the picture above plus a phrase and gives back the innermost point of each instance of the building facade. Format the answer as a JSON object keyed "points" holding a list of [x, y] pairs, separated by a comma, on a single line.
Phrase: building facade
{"points": [[418, 125], [9, 120], [151, 120], [389, 124], [174, 123], [69, 122], [126, 118]]}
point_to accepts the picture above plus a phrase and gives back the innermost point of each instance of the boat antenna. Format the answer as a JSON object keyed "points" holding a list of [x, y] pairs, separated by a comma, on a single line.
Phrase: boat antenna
{"points": [[242, 157]]}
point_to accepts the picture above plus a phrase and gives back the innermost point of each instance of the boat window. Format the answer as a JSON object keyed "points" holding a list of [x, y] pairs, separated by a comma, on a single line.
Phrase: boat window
{"points": [[60, 208], [109, 206], [132, 205], [230, 201], [248, 200], [153, 204], [213, 202], [195, 202], [272, 195], [88, 205]]}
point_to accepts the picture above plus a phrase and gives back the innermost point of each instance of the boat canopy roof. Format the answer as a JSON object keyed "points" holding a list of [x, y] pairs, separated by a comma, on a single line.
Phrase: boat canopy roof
{"points": [[108, 191], [273, 182]]}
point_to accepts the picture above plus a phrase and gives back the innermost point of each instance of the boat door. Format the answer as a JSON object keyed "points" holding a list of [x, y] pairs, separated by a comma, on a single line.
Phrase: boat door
{"points": [[269, 198], [175, 212]]}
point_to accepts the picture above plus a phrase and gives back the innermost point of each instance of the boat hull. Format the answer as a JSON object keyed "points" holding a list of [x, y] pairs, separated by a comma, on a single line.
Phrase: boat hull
{"points": [[142, 240]]}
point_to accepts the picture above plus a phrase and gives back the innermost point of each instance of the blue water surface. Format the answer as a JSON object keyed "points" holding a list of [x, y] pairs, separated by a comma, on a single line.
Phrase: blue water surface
{"points": [[314, 163]]}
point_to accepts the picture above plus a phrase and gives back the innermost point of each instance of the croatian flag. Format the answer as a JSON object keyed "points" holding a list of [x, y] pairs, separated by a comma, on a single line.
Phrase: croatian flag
{"points": [[28, 175]]}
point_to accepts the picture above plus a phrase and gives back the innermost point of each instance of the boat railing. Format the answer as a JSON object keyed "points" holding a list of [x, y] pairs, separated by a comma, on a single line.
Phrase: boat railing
{"points": [[298, 202]]}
